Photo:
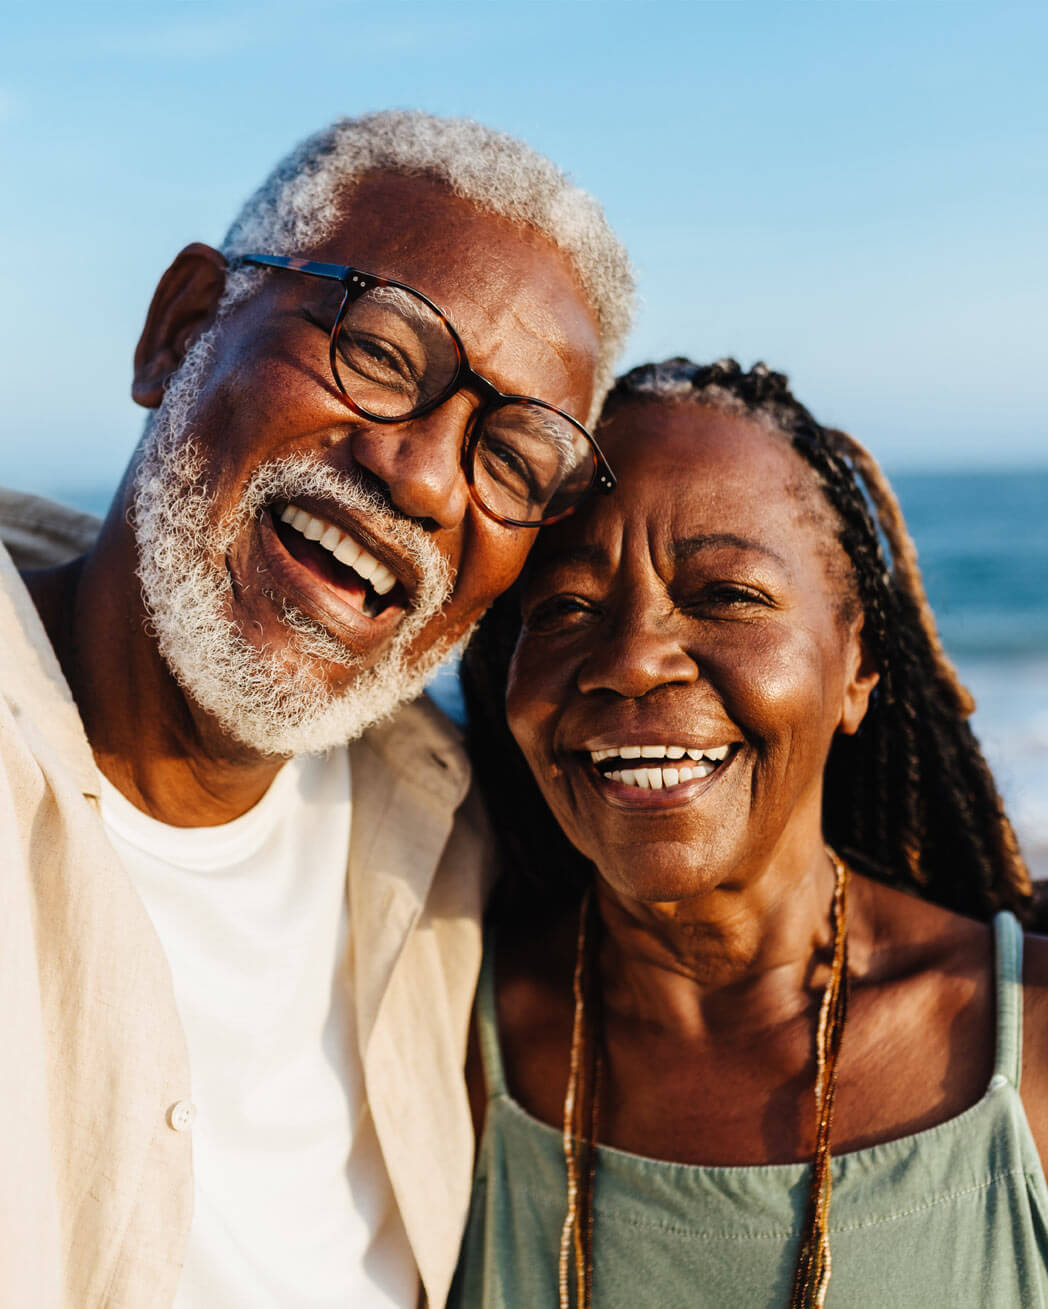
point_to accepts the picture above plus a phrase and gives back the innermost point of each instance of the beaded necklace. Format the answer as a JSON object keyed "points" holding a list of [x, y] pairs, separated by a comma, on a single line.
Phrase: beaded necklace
{"points": [[582, 1114]]}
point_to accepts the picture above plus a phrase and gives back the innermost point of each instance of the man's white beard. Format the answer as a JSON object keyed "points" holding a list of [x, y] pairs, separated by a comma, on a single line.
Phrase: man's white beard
{"points": [[277, 703]]}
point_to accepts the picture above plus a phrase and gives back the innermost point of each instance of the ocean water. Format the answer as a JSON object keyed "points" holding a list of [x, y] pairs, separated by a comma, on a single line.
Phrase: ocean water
{"points": [[982, 539], [983, 545]]}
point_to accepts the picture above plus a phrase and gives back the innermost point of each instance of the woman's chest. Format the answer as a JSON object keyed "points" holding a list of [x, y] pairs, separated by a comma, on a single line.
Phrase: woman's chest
{"points": [[913, 1055]]}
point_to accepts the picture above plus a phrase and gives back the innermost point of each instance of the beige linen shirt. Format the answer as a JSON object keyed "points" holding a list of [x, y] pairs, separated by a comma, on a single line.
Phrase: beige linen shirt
{"points": [[95, 1175]]}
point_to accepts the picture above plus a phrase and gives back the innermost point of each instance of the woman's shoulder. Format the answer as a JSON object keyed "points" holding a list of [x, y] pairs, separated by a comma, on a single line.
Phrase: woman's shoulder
{"points": [[955, 947], [534, 963], [899, 930], [933, 936]]}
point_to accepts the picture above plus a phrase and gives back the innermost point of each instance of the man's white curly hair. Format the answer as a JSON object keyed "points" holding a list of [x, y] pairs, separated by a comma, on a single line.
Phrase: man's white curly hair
{"points": [[296, 207]]}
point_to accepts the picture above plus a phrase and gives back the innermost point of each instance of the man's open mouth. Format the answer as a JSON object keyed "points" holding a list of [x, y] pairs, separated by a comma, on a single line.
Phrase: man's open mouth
{"points": [[338, 558]]}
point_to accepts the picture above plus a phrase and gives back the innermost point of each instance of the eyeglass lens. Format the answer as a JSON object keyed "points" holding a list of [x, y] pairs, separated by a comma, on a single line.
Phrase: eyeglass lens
{"points": [[529, 464], [394, 357]]}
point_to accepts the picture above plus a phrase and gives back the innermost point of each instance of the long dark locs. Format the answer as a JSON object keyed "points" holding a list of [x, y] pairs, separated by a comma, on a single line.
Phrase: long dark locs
{"points": [[909, 799]]}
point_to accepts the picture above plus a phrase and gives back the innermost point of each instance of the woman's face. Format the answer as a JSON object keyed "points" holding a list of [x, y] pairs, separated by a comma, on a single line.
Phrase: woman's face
{"points": [[689, 650]]}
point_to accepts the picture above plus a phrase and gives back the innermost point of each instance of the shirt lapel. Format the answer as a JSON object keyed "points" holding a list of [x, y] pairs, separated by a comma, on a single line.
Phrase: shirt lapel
{"points": [[416, 948]]}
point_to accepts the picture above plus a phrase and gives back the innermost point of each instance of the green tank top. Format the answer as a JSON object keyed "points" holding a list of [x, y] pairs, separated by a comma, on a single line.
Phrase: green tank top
{"points": [[956, 1215]]}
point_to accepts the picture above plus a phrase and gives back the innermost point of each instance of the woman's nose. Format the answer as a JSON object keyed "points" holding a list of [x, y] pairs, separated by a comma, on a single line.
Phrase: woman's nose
{"points": [[420, 462], [639, 654]]}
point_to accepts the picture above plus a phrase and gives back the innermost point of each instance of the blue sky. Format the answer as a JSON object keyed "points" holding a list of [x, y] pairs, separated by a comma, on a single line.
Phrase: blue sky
{"points": [[855, 192]]}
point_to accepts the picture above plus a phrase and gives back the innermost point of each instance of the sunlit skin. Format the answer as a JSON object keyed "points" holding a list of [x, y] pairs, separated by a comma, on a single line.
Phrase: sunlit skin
{"points": [[526, 326], [706, 603]]}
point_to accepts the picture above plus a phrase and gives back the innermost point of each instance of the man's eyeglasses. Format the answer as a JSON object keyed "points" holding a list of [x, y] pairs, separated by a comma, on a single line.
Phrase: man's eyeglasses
{"points": [[394, 356]]}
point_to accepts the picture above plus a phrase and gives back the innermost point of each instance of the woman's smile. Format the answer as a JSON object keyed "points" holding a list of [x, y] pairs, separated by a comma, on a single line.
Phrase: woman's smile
{"points": [[658, 767], [653, 776]]}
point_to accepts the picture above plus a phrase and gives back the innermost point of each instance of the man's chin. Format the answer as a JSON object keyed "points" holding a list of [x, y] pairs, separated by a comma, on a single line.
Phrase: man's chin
{"points": [[300, 715], [285, 685], [297, 702]]}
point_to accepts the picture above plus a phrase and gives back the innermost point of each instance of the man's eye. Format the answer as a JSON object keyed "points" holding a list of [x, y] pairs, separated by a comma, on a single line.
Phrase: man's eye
{"points": [[508, 468], [376, 360]]}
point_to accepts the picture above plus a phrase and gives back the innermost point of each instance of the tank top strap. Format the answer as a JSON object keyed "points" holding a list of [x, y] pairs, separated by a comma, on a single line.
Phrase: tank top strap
{"points": [[487, 1021], [1008, 953]]}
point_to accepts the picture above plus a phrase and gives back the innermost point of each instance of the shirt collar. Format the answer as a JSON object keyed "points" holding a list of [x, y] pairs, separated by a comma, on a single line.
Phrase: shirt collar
{"points": [[32, 681]]}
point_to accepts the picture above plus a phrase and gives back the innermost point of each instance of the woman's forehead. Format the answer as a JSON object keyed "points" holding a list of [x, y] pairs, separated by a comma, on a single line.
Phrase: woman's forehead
{"points": [[685, 468], [685, 434]]}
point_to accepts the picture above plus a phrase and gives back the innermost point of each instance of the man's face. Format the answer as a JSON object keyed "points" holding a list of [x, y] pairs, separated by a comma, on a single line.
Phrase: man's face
{"points": [[268, 429]]}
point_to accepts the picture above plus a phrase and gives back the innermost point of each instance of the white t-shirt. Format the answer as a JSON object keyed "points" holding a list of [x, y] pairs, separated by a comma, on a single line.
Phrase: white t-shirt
{"points": [[293, 1208]]}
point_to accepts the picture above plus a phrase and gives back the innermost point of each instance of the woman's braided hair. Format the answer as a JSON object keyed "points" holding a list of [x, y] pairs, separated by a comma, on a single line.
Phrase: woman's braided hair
{"points": [[910, 798]]}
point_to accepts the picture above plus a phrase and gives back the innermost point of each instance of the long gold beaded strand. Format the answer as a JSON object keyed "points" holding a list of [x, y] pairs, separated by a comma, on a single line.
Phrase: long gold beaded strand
{"points": [[571, 1236], [593, 1073], [812, 1277]]}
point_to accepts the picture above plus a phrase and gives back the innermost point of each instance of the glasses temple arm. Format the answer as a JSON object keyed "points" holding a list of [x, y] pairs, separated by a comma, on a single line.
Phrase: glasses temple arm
{"points": [[606, 481], [332, 272]]}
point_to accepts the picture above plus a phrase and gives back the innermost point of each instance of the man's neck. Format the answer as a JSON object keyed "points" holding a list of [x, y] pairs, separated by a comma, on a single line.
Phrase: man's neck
{"points": [[149, 740]]}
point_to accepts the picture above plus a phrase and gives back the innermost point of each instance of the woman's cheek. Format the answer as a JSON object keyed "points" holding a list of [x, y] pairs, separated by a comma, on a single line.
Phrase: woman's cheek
{"points": [[767, 683], [533, 699], [517, 706]]}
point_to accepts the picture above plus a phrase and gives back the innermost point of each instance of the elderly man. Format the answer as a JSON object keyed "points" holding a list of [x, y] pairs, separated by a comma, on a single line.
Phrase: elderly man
{"points": [[363, 407]]}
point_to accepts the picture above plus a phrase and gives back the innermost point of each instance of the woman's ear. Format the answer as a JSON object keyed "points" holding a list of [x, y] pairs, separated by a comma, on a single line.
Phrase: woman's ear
{"points": [[861, 676], [183, 307]]}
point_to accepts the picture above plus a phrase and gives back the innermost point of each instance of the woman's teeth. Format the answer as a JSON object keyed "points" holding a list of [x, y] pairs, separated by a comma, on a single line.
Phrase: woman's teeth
{"points": [[656, 777], [339, 543]]}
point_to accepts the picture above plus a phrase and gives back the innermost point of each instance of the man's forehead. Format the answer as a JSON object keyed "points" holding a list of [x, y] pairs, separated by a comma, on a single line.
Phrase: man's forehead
{"points": [[488, 274], [415, 226]]}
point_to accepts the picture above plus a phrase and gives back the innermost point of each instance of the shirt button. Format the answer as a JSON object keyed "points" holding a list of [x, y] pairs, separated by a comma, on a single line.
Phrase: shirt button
{"points": [[181, 1116]]}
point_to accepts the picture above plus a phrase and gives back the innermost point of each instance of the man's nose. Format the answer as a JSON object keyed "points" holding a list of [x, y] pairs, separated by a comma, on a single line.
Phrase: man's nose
{"points": [[640, 653], [420, 462]]}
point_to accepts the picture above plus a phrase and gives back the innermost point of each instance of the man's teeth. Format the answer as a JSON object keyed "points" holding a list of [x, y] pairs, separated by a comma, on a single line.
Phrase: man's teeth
{"points": [[694, 763], [347, 551]]}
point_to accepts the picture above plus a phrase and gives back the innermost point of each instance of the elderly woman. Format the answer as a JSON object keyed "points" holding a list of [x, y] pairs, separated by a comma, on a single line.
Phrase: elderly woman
{"points": [[757, 997]]}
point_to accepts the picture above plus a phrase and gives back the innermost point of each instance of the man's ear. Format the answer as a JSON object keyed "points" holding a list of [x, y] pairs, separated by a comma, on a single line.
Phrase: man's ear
{"points": [[861, 677], [183, 307]]}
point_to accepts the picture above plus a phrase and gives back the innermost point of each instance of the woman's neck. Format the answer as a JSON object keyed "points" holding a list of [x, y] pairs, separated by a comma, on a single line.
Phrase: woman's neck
{"points": [[746, 955]]}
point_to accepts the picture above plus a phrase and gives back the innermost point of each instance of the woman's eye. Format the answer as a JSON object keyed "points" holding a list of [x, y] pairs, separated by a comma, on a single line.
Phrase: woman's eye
{"points": [[556, 613], [728, 595]]}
